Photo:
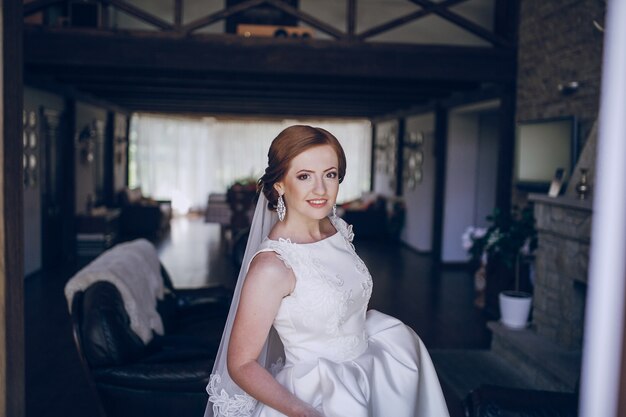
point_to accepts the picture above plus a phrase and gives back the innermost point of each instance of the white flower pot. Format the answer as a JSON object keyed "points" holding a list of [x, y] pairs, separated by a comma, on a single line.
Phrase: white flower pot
{"points": [[515, 308]]}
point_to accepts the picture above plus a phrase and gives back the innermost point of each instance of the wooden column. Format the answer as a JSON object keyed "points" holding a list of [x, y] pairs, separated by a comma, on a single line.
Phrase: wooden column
{"points": [[506, 148], [351, 18], [109, 163], [505, 19], [441, 149], [373, 158], [11, 240], [69, 176]]}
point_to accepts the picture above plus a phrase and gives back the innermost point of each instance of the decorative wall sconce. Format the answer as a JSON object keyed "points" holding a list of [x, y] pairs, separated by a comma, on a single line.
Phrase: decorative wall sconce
{"points": [[385, 152], [30, 148], [86, 142], [413, 158], [380, 145], [119, 149]]}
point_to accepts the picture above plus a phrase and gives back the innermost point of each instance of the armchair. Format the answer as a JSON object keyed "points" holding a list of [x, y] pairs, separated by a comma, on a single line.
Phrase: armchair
{"points": [[162, 377], [168, 375], [142, 216]]}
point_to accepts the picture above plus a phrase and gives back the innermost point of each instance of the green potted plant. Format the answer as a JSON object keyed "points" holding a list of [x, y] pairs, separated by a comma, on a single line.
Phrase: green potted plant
{"points": [[509, 241]]}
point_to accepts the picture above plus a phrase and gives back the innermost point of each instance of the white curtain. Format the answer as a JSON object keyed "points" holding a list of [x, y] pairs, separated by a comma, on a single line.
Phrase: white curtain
{"points": [[186, 159]]}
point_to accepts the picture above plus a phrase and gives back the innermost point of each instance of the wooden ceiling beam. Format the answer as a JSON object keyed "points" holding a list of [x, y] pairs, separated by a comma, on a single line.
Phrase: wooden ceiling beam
{"points": [[171, 107], [274, 90], [285, 113], [244, 105], [244, 101], [93, 79], [258, 56], [238, 101], [270, 108]]}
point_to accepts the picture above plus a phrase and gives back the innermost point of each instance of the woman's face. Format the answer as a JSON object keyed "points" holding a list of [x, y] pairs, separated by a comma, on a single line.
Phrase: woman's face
{"points": [[311, 184]]}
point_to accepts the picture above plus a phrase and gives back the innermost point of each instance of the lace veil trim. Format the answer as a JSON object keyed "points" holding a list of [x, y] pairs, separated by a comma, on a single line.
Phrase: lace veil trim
{"points": [[226, 398]]}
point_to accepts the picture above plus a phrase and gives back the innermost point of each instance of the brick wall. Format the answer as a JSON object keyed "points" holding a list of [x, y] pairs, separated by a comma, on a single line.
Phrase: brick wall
{"points": [[558, 43]]}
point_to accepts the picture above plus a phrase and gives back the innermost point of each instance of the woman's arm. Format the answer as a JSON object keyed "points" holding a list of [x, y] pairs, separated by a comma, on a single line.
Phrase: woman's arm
{"points": [[267, 283]]}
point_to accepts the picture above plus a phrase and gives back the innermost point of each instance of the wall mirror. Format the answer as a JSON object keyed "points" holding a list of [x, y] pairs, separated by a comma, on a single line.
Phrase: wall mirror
{"points": [[542, 147]]}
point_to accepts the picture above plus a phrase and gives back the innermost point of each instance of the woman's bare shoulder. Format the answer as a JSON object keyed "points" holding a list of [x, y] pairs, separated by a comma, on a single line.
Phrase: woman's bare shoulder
{"points": [[268, 269]]}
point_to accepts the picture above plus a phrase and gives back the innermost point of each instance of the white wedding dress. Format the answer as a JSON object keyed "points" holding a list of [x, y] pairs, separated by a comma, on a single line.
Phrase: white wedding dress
{"points": [[340, 358]]}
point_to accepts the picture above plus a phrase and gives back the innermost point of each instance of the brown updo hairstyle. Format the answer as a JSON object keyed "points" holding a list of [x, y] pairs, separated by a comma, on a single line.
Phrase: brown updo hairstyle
{"points": [[290, 143]]}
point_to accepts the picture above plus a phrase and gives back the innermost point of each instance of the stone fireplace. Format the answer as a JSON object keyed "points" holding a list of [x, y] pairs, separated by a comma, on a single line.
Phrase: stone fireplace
{"points": [[548, 353], [564, 229]]}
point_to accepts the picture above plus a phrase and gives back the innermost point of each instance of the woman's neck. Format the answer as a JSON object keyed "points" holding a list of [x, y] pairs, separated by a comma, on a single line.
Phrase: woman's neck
{"points": [[301, 231]]}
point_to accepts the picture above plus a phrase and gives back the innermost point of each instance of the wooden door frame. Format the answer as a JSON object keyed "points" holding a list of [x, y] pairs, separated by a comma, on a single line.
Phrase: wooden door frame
{"points": [[12, 396]]}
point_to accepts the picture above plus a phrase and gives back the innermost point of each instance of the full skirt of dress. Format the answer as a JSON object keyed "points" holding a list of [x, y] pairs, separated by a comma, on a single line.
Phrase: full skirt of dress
{"points": [[394, 377]]}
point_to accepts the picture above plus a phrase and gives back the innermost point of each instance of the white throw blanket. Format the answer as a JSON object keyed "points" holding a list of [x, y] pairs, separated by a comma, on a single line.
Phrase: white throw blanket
{"points": [[134, 268]]}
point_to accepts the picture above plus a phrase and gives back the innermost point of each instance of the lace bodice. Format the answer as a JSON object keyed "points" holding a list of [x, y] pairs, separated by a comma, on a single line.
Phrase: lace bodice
{"points": [[324, 316]]}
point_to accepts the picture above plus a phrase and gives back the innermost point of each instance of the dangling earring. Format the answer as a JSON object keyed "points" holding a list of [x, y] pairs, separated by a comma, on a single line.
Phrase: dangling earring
{"points": [[280, 208], [335, 210]]}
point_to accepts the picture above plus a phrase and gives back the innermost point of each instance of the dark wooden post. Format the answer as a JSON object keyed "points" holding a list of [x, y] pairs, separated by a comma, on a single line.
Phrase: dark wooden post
{"points": [[373, 158], [109, 163], [69, 176], [506, 149], [351, 18], [505, 19], [441, 148], [178, 14], [506, 14], [11, 207]]}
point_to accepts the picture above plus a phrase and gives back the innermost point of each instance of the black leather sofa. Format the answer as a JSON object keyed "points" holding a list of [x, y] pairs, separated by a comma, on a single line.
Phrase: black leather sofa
{"points": [[167, 376], [381, 218]]}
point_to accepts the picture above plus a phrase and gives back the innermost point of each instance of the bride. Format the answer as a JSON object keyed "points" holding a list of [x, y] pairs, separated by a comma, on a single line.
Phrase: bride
{"points": [[299, 340]]}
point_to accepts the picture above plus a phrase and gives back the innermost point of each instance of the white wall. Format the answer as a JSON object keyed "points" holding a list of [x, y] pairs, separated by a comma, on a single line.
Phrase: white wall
{"points": [[417, 232], [33, 100], [460, 187], [471, 170]]}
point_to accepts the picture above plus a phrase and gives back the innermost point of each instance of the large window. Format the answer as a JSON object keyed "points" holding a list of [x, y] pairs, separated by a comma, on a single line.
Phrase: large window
{"points": [[185, 159]]}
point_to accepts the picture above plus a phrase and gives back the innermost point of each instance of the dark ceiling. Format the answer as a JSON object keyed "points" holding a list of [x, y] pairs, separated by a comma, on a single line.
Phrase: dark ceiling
{"points": [[227, 74]]}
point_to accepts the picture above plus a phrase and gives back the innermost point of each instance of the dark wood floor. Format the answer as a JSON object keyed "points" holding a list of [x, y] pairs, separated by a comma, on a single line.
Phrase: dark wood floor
{"points": [[436, 303]]}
